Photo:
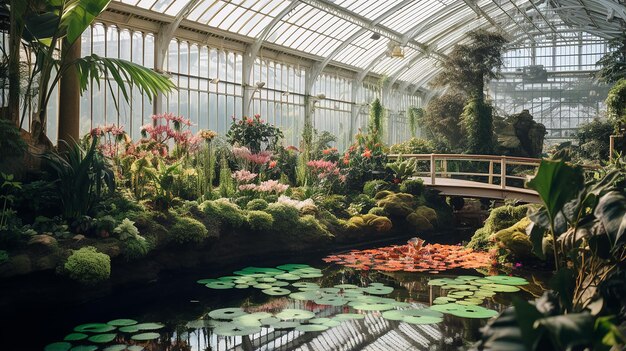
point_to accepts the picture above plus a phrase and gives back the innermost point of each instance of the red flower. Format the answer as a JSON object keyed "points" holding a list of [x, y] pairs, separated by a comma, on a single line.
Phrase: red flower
{"points": [[272, 164], [367, 153], [396, 180]]}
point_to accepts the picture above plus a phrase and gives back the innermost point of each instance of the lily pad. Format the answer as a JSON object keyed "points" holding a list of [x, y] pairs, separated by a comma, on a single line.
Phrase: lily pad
{"points": [[467, 277], [330, 290], [206, 281], [499, 287], [262, 286], [331, 301], [118, 347], [276, 323], [305, 285], [242, 286], [146, 336], [122, 322], [378, 290], [263, 270], [311, 327], [441, 281], [218, 284], [75, 337], [348, 316], [129, 329], [506, 280], [484, 293], [310, 275], [295, 314], [266, 280], [58, 346], [292, 266], [332, 323], [136, 348], [227, 313], [443, 300], [346, 286], [94, 328], [287, 276], [229, 278], [230, 329], [276, 291], [398, 315], [422, 319], [321, 320], [465, 311], [102, 338], [373, 306], [279, 283], [84, 348], [149, 326], [305, 295]]}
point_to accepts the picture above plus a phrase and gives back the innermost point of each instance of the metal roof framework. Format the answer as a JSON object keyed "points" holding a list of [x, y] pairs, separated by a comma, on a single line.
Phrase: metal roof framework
{"points": [[359, 34]]}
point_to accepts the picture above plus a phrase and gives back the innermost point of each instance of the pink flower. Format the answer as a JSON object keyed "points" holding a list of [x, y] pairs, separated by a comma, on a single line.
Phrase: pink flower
{"points": [[272, 164], [241, 152], [244, 176]]}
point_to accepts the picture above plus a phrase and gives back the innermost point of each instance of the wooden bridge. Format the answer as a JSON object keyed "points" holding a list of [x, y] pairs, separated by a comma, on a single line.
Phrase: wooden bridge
{"points": [[478, 176]]}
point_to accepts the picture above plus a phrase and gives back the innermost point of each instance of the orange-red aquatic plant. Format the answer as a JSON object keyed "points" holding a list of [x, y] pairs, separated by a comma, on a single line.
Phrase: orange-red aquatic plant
{"points": [[415, 256]]}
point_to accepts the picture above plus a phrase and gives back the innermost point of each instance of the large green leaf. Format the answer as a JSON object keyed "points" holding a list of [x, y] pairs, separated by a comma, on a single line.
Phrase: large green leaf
{"points": [[607, 334], [79, 14], [124, 73], [526, 315], [569, 330], [611, 212], [563, 283], [557, 183], [40, 26]]}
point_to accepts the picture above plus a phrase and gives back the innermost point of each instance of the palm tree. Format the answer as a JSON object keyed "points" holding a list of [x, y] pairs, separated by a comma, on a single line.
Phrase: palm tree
{"points": [[49, 28]]}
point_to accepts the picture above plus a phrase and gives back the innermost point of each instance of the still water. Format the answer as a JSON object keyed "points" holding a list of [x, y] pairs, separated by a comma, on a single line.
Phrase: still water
{"points": [[173, 314]]}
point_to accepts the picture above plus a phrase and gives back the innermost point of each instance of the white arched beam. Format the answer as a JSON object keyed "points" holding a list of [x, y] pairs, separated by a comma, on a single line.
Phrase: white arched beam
{"points": [[319, 67]]}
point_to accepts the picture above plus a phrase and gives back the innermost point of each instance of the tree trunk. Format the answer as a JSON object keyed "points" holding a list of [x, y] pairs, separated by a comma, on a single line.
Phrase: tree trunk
{"points": [[69, 96], [15, 36]]}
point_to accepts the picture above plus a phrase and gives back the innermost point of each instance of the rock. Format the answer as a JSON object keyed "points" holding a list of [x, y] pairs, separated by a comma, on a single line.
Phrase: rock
{"points": [[78, 237], [42, 240], [520, 135], [17, 265]]}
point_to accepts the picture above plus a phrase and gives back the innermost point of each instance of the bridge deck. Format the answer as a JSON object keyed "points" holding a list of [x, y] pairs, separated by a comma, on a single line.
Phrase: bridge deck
{"points": [[468, 188]]}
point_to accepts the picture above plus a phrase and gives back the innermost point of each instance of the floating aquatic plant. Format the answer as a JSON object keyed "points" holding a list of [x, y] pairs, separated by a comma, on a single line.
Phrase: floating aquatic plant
{"points": [[415, 256]]}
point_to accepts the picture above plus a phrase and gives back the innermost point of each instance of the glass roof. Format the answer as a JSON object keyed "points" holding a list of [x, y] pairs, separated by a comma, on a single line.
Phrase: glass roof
{"points": [[342, 30]]}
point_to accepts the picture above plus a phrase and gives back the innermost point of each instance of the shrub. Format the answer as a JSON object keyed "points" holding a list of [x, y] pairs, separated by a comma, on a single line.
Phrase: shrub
{"points": [[379, 211], [259, 220], [126, 230], [414, 187], [369, 223], [593, 139], [374, 186], [413, 146], [135, 248], [88, 266], [285, 217], [4, 256], [310, 226], [257, 205], [515, 240], [188, 230], [225, 211], [105, 224], [499, 218], [399, 205], [419, 222], [428, 213]]}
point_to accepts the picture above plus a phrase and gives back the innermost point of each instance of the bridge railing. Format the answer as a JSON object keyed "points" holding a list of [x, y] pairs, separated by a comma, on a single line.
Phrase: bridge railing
{"points": [[497, 168]]}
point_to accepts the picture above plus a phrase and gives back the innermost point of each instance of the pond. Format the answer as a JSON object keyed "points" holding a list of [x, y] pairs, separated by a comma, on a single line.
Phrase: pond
{"points": [[284, 305]]}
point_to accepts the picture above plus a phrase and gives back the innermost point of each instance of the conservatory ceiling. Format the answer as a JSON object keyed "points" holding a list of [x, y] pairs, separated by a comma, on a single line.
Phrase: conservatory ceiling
{"points": [[402, 39]]}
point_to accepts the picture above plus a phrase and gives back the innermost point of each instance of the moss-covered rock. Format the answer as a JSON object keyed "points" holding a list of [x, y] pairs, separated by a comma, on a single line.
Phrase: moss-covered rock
{"points": [[515, 239], [88, 266], [225, 211], [369, 223], [188, 230], [372, 187], [414, 187], [428, 213], [312, 227], [285, 217], [260, 221], [499, 218], [257, 205], [419, 222], [379, 211], [397, 204]]}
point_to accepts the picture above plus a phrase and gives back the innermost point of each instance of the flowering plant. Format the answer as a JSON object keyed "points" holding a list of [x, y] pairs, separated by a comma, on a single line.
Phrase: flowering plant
{"points": [[244, 176], [328, 174], [363, 159], [110, 137], [267, 187], [167, 127], [253, 133]]}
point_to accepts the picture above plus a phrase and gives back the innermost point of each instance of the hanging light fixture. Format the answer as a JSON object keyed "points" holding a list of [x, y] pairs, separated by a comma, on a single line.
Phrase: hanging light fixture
{"points": [[397, 52]]}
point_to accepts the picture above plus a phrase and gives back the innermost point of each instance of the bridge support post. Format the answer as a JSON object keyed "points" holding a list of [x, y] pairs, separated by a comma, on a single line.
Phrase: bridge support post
{"points": [[433, 168], [490, 172], [503, 172]]}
